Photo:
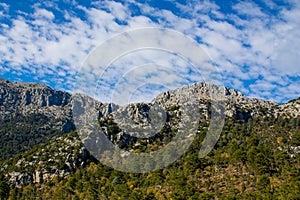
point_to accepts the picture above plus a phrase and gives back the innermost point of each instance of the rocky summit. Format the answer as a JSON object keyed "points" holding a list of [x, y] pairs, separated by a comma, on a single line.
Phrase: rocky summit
{"points": [[27, 98]]}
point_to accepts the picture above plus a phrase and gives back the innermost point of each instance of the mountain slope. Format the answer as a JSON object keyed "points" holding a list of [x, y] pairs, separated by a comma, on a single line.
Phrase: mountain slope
{"points": [[31, 114], [257, 154], [257, 159]]}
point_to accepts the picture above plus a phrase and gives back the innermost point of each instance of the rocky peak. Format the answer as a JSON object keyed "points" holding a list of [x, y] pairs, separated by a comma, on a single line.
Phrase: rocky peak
{"points": [[17, 95], [198, 91], [234, 101]]}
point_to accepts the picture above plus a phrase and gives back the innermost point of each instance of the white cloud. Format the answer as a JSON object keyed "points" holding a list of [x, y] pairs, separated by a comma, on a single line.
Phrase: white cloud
{"points": [[249, 9], [4, 9], [43, 13], [118, 10], [246, 46], [199, 9]]}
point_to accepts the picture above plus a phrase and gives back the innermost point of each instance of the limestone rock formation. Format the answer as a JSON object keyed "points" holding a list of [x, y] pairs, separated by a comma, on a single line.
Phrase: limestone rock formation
{"points": [[121, 124]]}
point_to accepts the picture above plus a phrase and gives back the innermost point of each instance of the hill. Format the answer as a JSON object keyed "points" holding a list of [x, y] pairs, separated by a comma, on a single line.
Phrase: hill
{"points": [[256, 155]]}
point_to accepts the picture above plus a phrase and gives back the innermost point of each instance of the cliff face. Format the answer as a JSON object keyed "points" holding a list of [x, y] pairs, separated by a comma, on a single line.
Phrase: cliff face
{"points": [[27, 97]]}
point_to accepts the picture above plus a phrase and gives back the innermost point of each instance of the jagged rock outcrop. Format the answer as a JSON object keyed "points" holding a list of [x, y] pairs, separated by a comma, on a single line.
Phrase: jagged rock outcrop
{"points": [[26, 98], [29, 98], [237, 105], [289, 109]]}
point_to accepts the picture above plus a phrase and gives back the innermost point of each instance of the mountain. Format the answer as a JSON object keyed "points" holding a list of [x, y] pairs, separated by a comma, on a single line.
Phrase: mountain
{"points": [[256, 156], [31, 114]]}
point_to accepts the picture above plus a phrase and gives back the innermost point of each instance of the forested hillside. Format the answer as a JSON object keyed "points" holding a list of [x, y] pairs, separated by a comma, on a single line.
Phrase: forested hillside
{"points": [[255, 157], [258, 159]]}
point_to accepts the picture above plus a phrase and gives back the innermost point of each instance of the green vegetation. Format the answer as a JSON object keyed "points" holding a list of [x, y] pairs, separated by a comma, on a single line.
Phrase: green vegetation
{"points": [[4, 187], [252, 160], [19, 133], [51, 156]]}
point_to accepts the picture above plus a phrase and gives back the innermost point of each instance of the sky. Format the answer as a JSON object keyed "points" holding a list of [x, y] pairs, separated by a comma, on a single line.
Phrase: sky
{"points": [[253, 46]]}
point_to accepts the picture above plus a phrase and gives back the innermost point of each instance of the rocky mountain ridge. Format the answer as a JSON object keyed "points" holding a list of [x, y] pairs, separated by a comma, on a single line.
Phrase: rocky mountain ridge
{"points": [[26, 99], [234, 101], [58, 107]]}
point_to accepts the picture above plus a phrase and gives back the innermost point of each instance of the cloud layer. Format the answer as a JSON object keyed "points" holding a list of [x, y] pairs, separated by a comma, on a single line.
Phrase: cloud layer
{"points": [[255, 46]]}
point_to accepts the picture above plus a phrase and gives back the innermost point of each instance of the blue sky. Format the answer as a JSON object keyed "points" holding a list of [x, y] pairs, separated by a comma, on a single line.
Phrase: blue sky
{"points": [[255, 45]]}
